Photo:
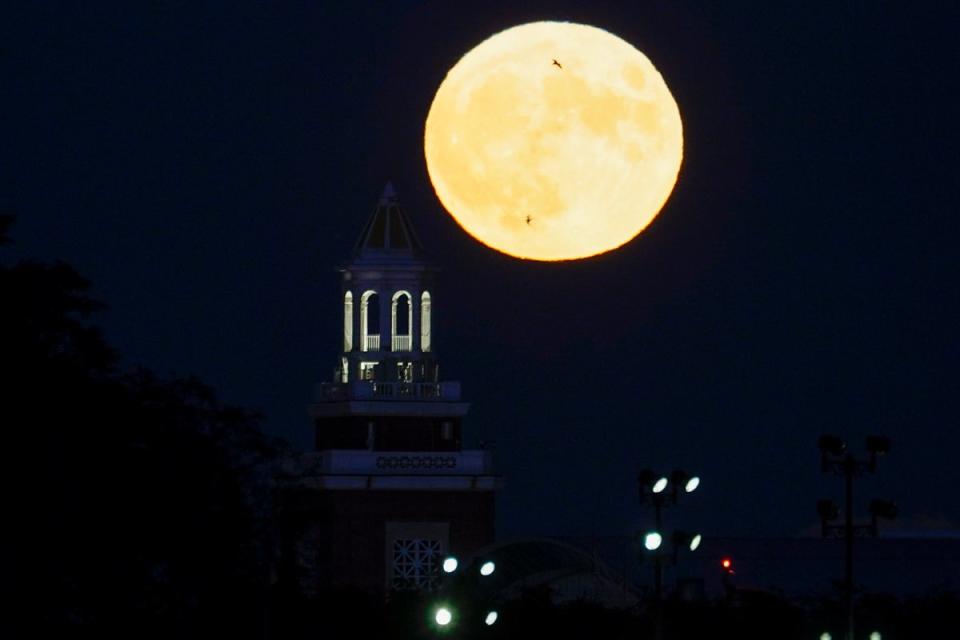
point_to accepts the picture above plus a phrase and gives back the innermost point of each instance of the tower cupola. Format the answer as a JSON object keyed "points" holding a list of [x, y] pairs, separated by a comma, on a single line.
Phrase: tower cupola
{"points": [[387, 289]]}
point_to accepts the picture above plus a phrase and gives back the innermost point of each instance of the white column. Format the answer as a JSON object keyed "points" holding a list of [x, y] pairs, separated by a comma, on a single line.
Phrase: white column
{"points": [[357, 310], [430, 324], [349, 311], [386, 304], [415, 320]]}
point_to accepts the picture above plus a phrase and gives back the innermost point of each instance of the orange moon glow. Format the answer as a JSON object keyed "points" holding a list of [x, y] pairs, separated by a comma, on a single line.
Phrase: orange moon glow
{"points": [[553, 141]]}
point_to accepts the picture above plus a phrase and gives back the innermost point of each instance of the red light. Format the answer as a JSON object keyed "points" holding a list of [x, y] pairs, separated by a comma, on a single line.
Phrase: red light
{"points": [[726, 563]]}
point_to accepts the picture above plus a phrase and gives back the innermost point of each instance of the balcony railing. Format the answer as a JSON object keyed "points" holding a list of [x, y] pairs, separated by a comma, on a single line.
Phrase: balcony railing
{"points": [[370, 390], [386, 463], [401, 343], [403, 390], [372, 343]]}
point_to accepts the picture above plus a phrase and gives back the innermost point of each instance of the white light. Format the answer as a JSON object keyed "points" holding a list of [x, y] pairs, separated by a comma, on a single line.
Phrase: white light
{"points": [[825, 636], [450, 565], [876, 636], [491, 618], [652, 541], [695, 542], [443, 616], [659, 485], [692, 484], [487, 568]]}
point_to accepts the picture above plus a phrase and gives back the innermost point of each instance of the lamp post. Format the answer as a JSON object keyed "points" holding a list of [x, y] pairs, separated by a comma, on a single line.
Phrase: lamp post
{"points": [[835, 458], [653, 490]]}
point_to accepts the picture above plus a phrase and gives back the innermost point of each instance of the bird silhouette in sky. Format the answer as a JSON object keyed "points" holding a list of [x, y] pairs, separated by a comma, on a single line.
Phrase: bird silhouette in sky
{"points": [[559, 66], [529, 219]]}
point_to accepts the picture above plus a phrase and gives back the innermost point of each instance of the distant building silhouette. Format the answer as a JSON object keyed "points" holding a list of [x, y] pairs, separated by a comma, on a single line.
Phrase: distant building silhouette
{"points": [[389, 490], [797, 568]]}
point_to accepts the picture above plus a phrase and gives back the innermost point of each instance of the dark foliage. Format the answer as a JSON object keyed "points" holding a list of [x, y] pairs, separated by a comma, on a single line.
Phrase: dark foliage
{"points": [[349, 614], [136, 506]]}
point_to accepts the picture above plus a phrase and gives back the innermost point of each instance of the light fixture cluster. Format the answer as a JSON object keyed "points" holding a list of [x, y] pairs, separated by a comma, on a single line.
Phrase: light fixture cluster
{"points": [[443, 614], [653, 489], [835, 458]]}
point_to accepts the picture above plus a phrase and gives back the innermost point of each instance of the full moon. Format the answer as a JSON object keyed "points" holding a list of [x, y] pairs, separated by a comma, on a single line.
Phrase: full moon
{"points": [[553, 141]]}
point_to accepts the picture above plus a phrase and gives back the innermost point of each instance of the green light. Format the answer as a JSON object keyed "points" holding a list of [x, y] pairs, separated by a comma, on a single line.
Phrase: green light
{"points": [[443, 616], [652, 541]]}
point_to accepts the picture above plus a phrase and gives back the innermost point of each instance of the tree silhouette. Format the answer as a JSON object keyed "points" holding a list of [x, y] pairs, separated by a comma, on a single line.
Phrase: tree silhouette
{"points": [[137, 506]]}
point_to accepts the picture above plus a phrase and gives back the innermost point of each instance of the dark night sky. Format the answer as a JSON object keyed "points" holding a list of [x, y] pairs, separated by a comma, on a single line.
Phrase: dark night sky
{"points": [[208, 165]]}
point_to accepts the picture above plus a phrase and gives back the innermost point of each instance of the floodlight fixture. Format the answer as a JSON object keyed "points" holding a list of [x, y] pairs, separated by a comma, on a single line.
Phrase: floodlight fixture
{"points": [[443, 616], [652, 541], [651, 482], [682, 539], [487, 568], [491, 618], [831, 445], [681, 478], [875, 635], [878, 445], [826, 636], [450, 564], [660, 485], [695, 542]]}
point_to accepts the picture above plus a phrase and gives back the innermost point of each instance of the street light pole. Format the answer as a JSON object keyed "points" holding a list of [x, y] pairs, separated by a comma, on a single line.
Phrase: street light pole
{"points": [[658, 569], [653, 489], [835, 458], [849, 469]]}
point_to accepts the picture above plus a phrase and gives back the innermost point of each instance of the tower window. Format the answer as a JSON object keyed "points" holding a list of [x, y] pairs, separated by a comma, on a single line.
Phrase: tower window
{"points": [[367, 370], [402, 320], [403, 315], [370, 321]]}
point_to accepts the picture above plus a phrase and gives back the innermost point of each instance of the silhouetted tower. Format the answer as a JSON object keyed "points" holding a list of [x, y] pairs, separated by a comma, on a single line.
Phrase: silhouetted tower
{"points": [[389, 490]]}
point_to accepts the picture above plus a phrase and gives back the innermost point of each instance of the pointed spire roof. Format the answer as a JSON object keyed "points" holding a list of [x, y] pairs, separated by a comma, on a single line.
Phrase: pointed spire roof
{"points": [[388, 232]]}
